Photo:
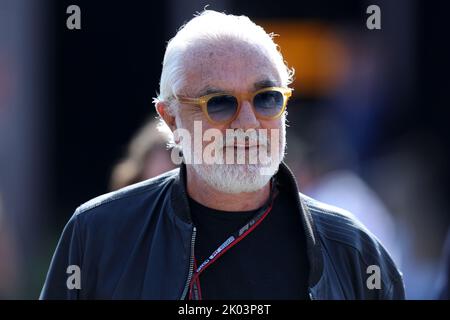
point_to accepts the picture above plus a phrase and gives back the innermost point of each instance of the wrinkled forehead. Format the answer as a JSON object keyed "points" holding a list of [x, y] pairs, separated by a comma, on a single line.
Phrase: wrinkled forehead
{"points": [[232, 67]]}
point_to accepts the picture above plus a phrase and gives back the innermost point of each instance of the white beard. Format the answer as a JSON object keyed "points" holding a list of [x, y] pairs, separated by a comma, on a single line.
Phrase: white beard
{"points": [[237, 178], [232, 178]]}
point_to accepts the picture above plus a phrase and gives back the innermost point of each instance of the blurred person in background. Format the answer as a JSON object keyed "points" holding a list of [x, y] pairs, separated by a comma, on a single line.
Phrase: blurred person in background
{"points": [[147, 156], [408, 179]]}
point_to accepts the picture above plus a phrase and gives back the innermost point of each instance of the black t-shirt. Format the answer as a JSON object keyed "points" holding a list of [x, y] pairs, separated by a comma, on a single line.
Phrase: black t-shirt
{"points": [[269, 263]]}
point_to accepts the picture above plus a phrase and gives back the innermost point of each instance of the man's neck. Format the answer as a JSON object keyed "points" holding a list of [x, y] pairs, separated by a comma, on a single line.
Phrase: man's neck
{"points": [[204, 194]]}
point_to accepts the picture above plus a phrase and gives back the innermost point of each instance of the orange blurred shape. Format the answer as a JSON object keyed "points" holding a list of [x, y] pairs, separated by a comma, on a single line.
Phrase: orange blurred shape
{"points": [[317, 53]]}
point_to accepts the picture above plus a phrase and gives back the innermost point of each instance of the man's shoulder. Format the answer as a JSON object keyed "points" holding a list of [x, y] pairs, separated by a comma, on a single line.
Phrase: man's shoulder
{"points": [[124, 202], [340, 231], [333, 219]]}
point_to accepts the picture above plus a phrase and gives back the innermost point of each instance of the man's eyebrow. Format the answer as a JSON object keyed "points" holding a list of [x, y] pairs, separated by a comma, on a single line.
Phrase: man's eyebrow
{"points": [[265, 84], [208, 90]]}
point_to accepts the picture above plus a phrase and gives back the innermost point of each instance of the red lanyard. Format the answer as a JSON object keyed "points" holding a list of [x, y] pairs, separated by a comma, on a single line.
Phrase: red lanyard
{"points": [[195, 292]]}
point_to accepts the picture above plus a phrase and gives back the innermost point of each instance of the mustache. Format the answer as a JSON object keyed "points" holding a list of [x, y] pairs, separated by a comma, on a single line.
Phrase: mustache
{"points": [[245, 139]]}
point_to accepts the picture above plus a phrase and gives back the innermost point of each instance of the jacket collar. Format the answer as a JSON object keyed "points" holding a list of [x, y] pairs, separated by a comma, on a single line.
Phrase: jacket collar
{"points": [[284, 177]]}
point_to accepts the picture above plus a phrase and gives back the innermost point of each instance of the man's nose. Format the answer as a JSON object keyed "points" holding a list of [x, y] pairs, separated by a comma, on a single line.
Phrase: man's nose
{"points": [[246, 119]]}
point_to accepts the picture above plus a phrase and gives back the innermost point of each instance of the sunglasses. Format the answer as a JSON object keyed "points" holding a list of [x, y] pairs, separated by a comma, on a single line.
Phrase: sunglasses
{"points": [[222, 108]]}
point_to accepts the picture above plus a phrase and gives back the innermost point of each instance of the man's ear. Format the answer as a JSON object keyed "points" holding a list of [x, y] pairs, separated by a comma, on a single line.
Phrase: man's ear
{"points": [[163, 111]]}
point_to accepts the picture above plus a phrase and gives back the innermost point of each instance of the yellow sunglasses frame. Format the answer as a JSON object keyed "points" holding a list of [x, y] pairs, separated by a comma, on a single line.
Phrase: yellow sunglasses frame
{"points": [[202, 102]]}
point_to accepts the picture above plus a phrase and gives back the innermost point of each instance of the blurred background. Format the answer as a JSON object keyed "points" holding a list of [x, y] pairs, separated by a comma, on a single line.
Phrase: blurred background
{"points": [[368, 121]]}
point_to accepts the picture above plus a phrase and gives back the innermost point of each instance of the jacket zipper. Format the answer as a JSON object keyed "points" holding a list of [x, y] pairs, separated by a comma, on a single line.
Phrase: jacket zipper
{"points": [[191, 265]]}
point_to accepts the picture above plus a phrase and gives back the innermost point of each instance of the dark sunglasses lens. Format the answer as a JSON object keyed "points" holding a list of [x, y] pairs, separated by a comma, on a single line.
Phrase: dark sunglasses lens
{"points": [[222, 108], [268, 103]]}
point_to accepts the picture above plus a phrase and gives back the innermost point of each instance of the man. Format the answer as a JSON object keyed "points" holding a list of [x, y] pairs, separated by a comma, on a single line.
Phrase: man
{"points": [[225, 225]]}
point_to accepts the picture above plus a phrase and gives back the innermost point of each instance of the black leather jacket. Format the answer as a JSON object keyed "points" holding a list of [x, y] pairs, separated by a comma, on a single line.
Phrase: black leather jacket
{"points": [[137, 243]]}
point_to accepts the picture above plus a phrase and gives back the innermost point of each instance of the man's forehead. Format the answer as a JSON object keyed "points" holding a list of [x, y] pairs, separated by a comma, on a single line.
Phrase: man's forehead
{"points": [[211, 71]]}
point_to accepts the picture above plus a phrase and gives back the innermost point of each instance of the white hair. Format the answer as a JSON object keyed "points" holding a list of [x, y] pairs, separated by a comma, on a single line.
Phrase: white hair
{"points": [[212, 28]]}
